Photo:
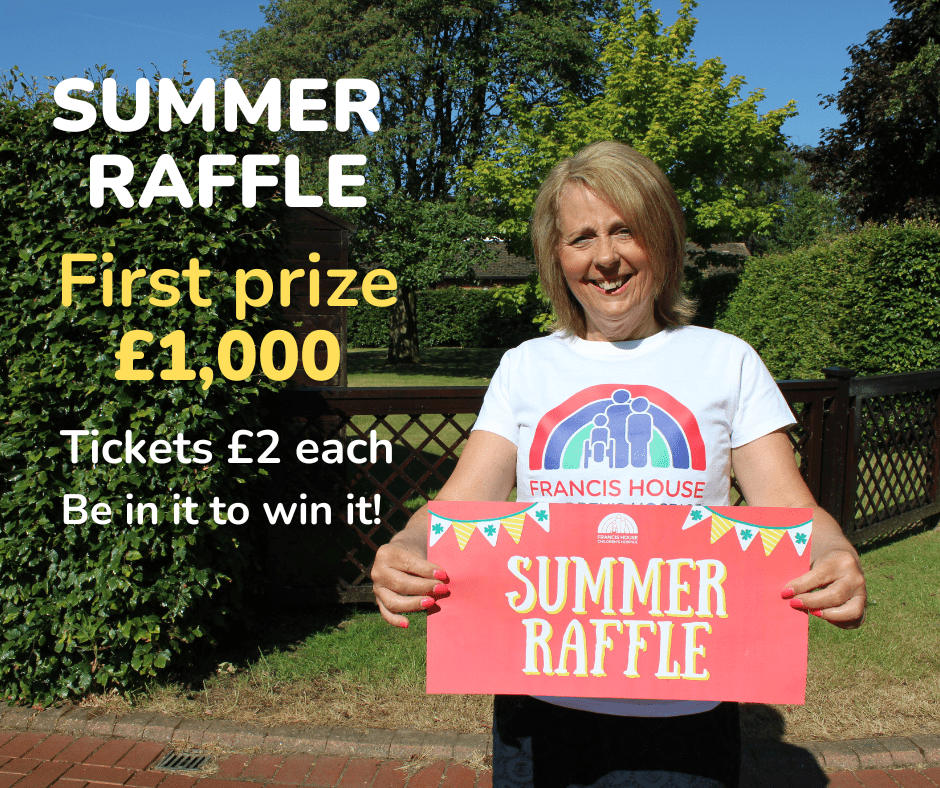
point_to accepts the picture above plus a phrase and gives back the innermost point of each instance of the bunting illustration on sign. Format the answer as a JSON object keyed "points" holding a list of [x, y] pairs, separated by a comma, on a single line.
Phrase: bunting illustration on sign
{"points": [[511, 523], [748, 531]]}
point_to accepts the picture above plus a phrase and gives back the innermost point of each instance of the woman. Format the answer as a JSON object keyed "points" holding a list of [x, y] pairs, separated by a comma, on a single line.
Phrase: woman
{"points": [[609, 240]]}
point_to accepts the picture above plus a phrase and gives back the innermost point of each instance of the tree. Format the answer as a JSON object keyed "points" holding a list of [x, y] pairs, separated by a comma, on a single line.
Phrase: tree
{"points": [[711, 143], [884, 160], [444, 69], [422, 241], [807, 215]]}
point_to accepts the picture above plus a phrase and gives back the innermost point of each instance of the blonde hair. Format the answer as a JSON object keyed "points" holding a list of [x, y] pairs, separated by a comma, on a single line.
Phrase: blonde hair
{"points": [[639, 191]]}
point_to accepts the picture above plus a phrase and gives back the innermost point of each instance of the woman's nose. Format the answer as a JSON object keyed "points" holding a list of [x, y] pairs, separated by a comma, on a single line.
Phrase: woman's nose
{"points": [[606, 253]]}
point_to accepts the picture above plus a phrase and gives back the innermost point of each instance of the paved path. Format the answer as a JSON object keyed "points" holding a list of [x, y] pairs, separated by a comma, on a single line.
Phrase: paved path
{"points": [[72, 748], [35, 760]]}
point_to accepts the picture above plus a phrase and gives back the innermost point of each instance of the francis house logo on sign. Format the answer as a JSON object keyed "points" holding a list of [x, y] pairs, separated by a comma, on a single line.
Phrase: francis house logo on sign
{"points": [[617, 528]]}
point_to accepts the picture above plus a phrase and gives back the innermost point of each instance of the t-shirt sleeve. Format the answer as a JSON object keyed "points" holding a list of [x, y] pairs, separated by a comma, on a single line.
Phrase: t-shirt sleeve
{"points": [[496, 414], [761, 408]]}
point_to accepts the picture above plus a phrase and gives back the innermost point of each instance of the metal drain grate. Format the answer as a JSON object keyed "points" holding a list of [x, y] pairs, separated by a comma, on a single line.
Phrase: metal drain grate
{"points": [[182, 761]]}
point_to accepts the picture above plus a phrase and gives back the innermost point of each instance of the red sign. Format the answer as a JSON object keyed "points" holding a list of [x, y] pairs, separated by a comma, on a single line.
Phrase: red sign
{"points": [[656, 602]]}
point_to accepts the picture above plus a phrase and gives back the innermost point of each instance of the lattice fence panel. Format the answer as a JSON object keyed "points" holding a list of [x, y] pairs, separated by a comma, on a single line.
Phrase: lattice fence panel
{"points": [[896, 448], [800, 435], [896, 454], [424, 451]]}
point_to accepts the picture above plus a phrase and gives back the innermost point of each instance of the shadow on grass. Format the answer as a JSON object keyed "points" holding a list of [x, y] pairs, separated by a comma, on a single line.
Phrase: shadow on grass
{"points": [[259, 631], [927, 524], [446, 362]]}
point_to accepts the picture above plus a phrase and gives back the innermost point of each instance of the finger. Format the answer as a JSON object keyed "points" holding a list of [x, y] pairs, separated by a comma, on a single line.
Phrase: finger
{"points": [[833, 589], [835, 592], [397, 603], [834, 566], [818, 577], [407, 561], [406, 574], [392, 618], [850, 615], [406, 584], [833, 595]]}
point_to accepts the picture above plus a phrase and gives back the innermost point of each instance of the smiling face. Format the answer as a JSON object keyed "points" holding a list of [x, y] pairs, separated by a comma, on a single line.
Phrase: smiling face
{"points": [[605, 267]]}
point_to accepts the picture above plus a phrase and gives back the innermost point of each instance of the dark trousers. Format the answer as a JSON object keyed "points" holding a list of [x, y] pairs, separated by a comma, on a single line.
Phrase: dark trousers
{"points": [[548, 746]]}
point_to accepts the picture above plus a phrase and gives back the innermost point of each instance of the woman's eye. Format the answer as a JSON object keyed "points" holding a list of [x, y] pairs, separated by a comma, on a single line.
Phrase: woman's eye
{"points": [[624, 232]]}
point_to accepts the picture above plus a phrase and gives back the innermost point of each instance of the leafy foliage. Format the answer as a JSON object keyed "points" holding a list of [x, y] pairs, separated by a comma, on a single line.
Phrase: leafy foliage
{"points": [[806, 214], [526, 300], [458, 317], [868, 300], [424, 240], [884, 160], [88, 606], [711, 143], [444, 69]]}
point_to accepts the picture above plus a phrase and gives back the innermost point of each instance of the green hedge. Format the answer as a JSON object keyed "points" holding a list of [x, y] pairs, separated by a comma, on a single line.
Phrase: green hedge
{"points": [[456, 317], [90, 606], [868, 300]]}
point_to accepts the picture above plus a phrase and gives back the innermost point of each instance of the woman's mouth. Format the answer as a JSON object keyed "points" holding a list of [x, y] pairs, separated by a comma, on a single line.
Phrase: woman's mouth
{"points": [[612, 286]]}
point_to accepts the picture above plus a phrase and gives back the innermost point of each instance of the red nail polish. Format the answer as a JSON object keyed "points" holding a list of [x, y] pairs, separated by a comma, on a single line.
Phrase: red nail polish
{"points": [[427, 602], [797, 604], [788, 593], [817, 613], [440, 574], [440, 588], [403, 624]]}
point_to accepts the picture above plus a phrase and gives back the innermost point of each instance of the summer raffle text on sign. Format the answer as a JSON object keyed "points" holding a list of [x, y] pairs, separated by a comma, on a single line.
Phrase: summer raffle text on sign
{"points": [[658, 602]]}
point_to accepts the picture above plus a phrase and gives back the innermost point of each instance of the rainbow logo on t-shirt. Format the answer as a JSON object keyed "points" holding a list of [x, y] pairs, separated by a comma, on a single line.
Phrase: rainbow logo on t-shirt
{"points": [[617, 425]]}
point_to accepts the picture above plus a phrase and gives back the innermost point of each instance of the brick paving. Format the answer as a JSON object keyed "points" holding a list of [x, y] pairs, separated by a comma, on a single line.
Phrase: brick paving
{"points": [[120, 762], [72, 748]]}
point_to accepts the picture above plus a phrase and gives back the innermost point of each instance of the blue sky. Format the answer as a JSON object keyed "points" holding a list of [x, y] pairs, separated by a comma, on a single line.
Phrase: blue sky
{"points": [[793, 50]]}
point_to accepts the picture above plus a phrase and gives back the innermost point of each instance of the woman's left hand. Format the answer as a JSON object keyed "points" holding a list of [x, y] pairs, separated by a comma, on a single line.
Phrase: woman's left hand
{"points": [[833, 589]]}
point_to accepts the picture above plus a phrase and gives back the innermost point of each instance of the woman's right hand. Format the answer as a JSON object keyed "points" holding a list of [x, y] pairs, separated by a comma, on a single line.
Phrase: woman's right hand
{"points": [[404, 581]]}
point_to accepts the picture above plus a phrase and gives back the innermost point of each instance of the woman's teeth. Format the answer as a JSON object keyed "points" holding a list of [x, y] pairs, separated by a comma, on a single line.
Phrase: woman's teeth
{"points": [[609, 285]]}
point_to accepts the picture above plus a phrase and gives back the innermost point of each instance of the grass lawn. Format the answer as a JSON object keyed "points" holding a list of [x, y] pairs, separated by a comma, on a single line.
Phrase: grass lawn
{"points": [[885, 676], [440, 366], [349, 667]]}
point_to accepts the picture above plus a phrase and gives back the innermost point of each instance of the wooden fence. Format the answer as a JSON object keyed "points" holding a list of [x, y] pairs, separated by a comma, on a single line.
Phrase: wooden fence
{"points": [[869, 449]]}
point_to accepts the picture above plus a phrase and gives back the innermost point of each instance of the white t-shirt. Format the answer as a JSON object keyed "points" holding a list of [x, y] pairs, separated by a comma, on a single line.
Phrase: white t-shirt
{"points": [[647, 421]]}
